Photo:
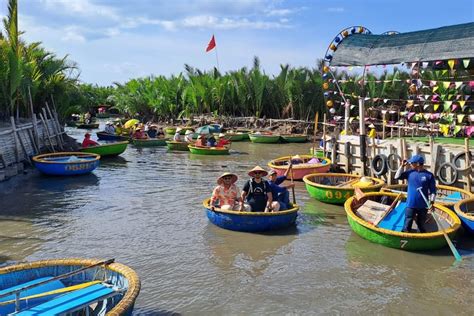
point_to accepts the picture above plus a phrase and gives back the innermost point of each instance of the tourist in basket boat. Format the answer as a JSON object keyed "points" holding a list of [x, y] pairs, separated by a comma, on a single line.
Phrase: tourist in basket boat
{"points": [[417, 177], [109, 128], [226, 195], [177, 136], [152, 131], [139, 133], [88, 142], [258, 193], [280, 192], [201, 141], [222, 141], [188, 137], [211, 141]]}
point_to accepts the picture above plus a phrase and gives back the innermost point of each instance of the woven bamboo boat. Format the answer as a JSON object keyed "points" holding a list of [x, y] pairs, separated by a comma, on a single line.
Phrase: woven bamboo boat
{"points": [[280, 165], [172, 130], [66, 163], [149, 142], [264, 138], [245, 133], [112, 137], [208, 150], [445, 195], [68, 286], [465, 210], [179, 146], [335, 188], [235, 137], [415, 241], [294, 138], [251, 221], [87, 126], [107, 150]]}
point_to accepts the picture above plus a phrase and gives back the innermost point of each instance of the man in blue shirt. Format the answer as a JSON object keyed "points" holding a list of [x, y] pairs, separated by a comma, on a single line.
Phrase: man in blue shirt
{"points": [[417, 177], [280, 193]]}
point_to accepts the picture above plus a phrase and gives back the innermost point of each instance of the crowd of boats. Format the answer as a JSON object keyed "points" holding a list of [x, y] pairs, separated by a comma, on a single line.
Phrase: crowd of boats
{"points": [[375, 211]]}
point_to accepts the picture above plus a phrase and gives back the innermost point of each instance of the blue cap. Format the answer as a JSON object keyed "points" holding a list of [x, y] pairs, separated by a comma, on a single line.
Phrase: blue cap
{"points": [[417, 159]]}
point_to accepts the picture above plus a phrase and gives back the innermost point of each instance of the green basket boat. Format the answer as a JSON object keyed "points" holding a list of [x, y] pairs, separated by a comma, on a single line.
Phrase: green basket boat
{"points": [[415, 241], [149, 142], [209, 150], [235, 137], [316, 152], [264, 138], [179, 146], [336, 188], [87, 126], [294, 138], [172, 130], [111, 149], [445, 195]]}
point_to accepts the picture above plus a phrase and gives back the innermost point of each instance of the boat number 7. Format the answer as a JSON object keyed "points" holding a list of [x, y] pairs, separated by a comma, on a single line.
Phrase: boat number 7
{"points": [[403, 243]]}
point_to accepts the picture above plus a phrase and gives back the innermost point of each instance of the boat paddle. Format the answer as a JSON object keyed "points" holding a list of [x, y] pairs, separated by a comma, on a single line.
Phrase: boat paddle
{"points": [[291, 177], [456, 254]]}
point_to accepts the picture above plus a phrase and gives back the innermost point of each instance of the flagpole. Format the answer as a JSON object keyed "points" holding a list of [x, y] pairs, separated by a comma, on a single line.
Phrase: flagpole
{"points": [[217, 60]]}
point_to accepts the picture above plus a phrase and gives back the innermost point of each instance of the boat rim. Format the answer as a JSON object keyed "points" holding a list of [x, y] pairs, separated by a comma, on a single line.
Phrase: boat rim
{"points": [[360, 221], [107, 145], [306, 180], [39, 158], [206, 204], [123, 305], [209, 148], [272, 165], [438, 186], [457, 208]]}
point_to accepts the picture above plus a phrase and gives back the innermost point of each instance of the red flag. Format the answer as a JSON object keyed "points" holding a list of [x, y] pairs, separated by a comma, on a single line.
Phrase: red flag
{"points": [[212, 44]]}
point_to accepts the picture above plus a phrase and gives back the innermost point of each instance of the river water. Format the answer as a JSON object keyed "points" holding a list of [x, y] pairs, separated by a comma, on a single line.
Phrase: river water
{"points": [[144, 209]]}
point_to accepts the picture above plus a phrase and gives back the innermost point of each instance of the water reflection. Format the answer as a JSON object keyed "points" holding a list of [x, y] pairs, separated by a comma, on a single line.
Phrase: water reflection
{"points": [[19, 238], [247, 251]]}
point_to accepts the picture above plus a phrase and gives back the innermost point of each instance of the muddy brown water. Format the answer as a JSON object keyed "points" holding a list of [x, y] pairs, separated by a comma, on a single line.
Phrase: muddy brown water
{"points": [[144, 209]]}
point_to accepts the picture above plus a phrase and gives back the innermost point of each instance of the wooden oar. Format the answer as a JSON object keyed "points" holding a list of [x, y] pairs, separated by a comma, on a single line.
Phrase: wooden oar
{"points": [[392, 206], [348, 182], [59, 277], [291, 177], [455, 252]]}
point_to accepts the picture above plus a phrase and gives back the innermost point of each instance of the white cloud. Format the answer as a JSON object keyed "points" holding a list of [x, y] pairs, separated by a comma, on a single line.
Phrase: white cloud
{"points": [[73, 34], [85, 8], [336, 9], [279, 12]]}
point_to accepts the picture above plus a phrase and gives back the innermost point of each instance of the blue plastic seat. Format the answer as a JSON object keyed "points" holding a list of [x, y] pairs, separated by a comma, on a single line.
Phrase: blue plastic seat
{"points": [[71, 301]]}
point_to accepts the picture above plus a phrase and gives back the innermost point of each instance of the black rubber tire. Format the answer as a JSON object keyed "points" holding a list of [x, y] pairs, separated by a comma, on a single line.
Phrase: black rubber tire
{"points": [[456, 158], [440, 175], [379, 165], [389, 159]]}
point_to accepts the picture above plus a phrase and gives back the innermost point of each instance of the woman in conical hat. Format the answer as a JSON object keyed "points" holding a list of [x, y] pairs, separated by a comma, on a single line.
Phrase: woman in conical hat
{"points": [[257, 192], [226, 195]]}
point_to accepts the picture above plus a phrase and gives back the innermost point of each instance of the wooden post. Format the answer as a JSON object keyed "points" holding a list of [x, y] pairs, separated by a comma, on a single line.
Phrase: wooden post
{"points": [[384, 122], [56, 128], [347, 114], [47, 132], [324, 135], [35, 130], [363, 136], [468, 164], [18, 140], [316, 117]]}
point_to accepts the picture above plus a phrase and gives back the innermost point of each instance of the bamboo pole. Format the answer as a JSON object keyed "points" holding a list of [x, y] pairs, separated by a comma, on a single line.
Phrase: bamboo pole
{"points": [[468, 164], [47, 132], [316, 117], [19, 140], [15, 137], [56, 129], [36, 131]]}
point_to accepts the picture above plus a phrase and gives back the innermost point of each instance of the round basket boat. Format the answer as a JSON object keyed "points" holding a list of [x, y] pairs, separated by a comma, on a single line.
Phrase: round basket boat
{"points": [[362, 215], [465, 210], [172, 130], [264, 138], [112, 137], [87, 126], [294, 138], [68, 286], [251, 221], [445, 195], [208, 150], [179, 146], [149, 142], [280, 165], [107, 150], [235, 137], [66, 163], [336, 188]]}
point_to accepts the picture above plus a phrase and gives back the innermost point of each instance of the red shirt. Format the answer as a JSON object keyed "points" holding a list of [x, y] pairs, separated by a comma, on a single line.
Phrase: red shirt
{"points": [[222, 142], [87, 142], [139, 135]]}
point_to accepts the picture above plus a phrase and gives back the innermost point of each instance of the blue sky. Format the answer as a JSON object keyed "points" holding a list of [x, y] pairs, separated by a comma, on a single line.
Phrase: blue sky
{"points": [[115, 40]]}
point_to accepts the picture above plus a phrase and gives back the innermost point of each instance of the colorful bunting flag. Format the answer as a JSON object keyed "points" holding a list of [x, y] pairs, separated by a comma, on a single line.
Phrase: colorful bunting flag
{"points": [[466, 62], [457, 129], [424, 64], [451, 63], [457, 84], [460, 117], [446, 84], [447, 105], [435, 88], [436, 106]]}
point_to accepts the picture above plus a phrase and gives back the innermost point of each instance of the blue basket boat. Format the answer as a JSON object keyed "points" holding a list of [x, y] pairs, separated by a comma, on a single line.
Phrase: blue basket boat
{"points": [[68, 286], [251, 221], [465, 211], [107, 136], [66, 163]]}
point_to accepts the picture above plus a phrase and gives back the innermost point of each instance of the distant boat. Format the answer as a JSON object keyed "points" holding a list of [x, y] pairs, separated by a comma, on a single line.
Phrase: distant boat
{"points": [[107, 150], [87, 126], [208, 150], [179, 146], [294, 138], [264, 138], [66, 163], [280, 165], [68, 286], [149, 142], [106, 136], [251, 221]]}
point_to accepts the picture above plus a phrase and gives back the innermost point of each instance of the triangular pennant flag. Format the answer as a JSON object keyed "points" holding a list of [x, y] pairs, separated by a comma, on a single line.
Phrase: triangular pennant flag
{"points": [[466, 62], [457, 129], [446, 84], [466, 97], [455, 106], [385, 100], [443, 97], [435, 88], [447, 105], [444, 72], [451, 63], [412, 65], [450, 96], [433, 83], [436, 106], [425, 106], [443, 128], [424, 64], [460, 118], [351, 119], [427, 96], [352, 107], [427, 116], [461, 103], [457, 84]]}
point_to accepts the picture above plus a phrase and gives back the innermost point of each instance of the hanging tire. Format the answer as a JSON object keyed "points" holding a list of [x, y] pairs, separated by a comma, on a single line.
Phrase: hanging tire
{"points": [[456, 158], [444, 178], [390, 159], [379, 165]]}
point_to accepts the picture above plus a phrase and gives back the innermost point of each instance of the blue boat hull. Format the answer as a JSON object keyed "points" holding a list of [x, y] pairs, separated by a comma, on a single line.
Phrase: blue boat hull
{"points": [[105, 136], [467, 223], [70, 169], [251, 223]]}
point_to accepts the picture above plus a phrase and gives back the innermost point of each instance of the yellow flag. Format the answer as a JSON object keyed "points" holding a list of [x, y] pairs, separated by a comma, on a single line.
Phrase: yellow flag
{"points": [[461, 103], [446, 84], [444, 129], [451, 63], [436, 106], [444, 72], [343, 132], [435, 88], [372, 133], [457, 129], [460, 117]]}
